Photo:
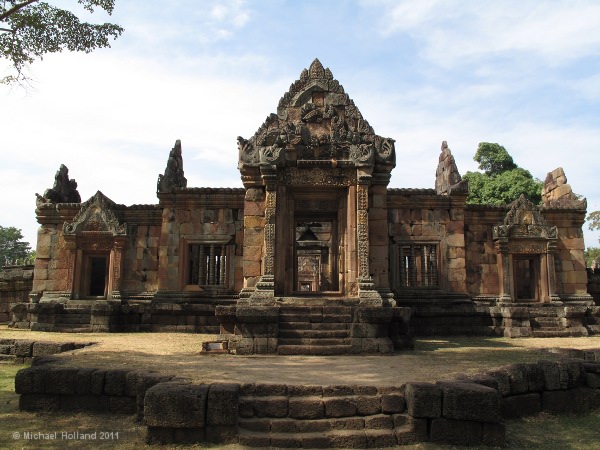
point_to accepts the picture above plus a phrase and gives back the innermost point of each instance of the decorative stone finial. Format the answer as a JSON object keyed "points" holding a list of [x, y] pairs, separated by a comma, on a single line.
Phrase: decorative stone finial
{"points": [[63, 191], [447, 177], [173, 177]]}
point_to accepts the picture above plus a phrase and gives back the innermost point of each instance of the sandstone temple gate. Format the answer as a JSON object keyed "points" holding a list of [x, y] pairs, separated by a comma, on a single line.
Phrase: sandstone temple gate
{"points": [[315, 254]]}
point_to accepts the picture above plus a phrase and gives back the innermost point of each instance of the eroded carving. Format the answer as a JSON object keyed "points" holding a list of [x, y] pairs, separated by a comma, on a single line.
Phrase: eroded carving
{"points": [[64, 189], [447, 177], [524, 220], [173, 177], [96, 216], [316, 120]]}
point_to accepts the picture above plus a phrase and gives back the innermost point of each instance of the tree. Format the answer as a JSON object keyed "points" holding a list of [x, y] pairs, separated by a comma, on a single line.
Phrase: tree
{"points": [[29, 29], [12, 249], [592, 254], [502, 181]]}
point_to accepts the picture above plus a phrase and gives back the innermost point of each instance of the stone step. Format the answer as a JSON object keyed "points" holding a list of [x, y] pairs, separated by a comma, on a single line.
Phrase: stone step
{"points": [[72, 328], [313, 326], [314, 334], [330, 439], [74, 318], [313, 341], [313, 350], [551, 333], [302, 310]]}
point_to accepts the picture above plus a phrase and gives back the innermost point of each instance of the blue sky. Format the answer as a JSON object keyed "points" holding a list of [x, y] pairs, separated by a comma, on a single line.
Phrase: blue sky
{"points": [[525, 74]]}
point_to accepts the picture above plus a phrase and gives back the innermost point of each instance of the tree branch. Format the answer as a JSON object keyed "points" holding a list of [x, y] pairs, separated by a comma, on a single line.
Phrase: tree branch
{"points": [[8, 30], [16, 8]]}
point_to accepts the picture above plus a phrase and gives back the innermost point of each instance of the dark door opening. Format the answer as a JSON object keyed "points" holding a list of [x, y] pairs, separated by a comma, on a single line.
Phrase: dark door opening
{"points": [[97, 277], [526, 278]]}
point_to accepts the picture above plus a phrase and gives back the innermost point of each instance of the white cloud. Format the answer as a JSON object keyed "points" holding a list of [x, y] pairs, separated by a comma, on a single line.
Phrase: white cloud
{"points": [[452, 31]]}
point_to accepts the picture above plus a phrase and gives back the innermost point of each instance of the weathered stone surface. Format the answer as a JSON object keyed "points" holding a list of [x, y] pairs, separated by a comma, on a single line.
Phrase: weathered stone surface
{"points": [[522, 405], [339, 407], [176, 405], [457, 432], [222, 404], [470, 401], [39, 402], [423, 400], [306, 408], [392, 404]]}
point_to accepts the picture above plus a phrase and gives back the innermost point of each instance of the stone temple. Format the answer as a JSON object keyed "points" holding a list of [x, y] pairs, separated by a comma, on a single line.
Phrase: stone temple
{"points": [[315, 254]]}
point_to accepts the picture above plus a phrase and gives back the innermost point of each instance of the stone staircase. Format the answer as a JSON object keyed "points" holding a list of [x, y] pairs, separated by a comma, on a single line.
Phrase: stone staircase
{"points": [[314, 330], [324, 417], [548, 327], [74, 319]]}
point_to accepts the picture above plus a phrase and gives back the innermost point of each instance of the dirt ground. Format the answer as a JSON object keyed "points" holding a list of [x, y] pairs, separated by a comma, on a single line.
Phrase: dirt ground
{"points": [[179, 354]]}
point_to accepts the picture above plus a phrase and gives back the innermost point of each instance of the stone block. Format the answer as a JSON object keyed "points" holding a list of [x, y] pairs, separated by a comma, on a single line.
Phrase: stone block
{"points": [[50, 348], [380, 438], [306, 408], [61, 381], [592, 380], [338, 390], [271, 407], [122, 405], [339, 407], [368, 405], [411, 432], [97, 381], [282, 426], [516, 406], [114, 382], [176, 404], [31, 380], [219, 434], [222, 404], [160, 435], [517, 376], [267, 390], [392, 404], [349, 439], [456, 432], [423, 400], [23, 348], [551, 374], [83, 381], [39, 402], [347, 423], [305, 391], [470, 401], [379, 422], [86, 402]]}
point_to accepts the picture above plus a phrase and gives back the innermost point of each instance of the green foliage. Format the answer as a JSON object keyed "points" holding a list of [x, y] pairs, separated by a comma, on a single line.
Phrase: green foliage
{"points": [[12, 248], [503, 181], [591, 254], [493, 159], [30, 29], [594, 220]]}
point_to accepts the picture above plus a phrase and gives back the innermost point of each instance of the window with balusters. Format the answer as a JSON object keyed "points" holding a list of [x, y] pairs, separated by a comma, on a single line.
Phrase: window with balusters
{"points": [[208, 264], [417, 265]]}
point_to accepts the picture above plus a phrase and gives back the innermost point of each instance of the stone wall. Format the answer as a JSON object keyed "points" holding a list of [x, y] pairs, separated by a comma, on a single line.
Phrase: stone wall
{"points": [[15, 285], [421, 216], [593, 286], [467, 410]]}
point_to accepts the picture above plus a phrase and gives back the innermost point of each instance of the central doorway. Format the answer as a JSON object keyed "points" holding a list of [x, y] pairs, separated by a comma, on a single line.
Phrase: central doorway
{"points": [[315, 239], [526, 273]]}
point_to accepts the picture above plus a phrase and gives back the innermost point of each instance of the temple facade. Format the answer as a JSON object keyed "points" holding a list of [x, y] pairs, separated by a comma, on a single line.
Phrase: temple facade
{"points": [[315, 232]]}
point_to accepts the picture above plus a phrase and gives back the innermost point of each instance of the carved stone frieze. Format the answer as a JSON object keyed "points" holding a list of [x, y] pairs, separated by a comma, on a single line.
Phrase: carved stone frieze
{"points": [[316, 176], [316, 120], [96, 243], [524, 220], [96, 216], [527, 247], [316, 205]]}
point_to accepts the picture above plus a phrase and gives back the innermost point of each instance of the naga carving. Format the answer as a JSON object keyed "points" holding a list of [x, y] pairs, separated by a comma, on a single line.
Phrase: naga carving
{"points": [[64, 189]]}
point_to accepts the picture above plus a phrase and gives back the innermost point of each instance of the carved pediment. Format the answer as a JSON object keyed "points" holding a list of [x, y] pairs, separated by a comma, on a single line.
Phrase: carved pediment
{"points": [[317, 121], [524, 220], [96, 216]]}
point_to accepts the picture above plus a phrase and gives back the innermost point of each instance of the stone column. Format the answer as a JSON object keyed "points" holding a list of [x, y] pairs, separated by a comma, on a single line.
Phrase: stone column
{"points": [[117, 267], [551, 267], [504, 271], [366, 288], [265, 288]]}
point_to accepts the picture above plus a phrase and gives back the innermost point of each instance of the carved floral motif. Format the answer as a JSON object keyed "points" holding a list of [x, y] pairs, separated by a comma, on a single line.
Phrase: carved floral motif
{"points": [[96, 216]]}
